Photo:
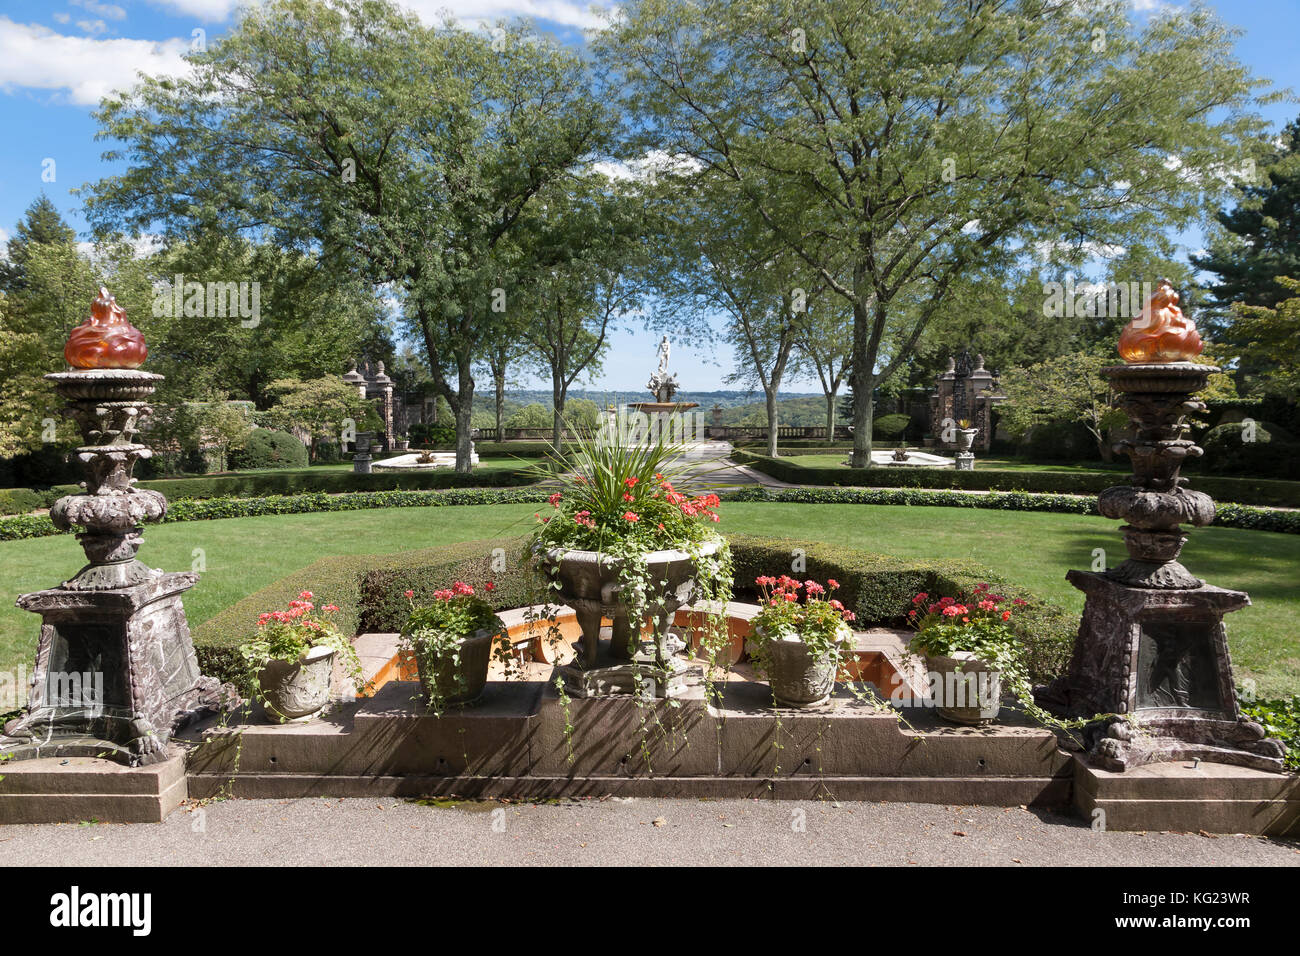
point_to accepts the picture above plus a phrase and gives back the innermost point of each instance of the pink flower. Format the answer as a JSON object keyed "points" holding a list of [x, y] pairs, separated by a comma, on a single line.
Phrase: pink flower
{"points": [[952, 610], [987, 605], [631, 482], [410, 594], [489, 586], [631, 516], [306, 596], [920, 597], [555, 500], [832, 583]]}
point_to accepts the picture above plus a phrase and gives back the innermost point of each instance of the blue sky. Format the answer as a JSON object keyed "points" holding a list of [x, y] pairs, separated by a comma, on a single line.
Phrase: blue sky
{"points": [[57, 57]]}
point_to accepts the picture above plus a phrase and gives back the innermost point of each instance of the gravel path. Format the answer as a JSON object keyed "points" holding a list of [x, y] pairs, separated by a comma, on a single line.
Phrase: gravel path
{"points": [[332, 831]]}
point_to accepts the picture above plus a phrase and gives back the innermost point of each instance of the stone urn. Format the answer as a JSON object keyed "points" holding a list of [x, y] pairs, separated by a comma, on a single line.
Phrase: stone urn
{"points": [[797, 678], [448, 682], [297, 691], [590, 583], [966, 438], [965, 689]]}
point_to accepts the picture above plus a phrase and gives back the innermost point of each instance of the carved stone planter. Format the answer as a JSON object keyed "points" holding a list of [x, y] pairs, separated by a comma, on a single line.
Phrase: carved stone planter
{"points": [[449, 683], [797, 678], [966, 690], [590, 584], [297, 691], [966, 438]]}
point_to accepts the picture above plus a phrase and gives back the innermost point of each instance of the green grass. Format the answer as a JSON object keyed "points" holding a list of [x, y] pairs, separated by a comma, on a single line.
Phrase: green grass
{"points": [[1033, 549], [1001, 464]]}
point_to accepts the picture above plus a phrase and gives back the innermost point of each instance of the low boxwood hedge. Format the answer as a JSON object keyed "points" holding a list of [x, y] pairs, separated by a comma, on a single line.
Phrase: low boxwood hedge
{"points": [[17, 501], [370, 590], [16, 527], [1249, 491]]}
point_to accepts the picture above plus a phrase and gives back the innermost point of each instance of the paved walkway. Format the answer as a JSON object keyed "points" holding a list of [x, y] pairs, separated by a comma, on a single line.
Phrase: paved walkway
{"points": [[331, 831]]}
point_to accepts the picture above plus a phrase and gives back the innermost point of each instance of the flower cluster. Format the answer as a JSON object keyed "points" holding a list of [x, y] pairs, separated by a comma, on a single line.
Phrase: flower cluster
{"points": [[815, 617], [651, 511], [456, 613], [286, 635], [966, 622]]}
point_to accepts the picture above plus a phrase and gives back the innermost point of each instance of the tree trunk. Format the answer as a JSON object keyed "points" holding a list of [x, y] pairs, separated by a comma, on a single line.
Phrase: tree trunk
{"points": [[558, 398], [830, 418], [862, 378], [464, 410], [499, 387], [770, 397]]}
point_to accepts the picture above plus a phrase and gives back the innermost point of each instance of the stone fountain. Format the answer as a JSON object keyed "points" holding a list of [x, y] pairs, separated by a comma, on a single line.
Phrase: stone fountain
{"points": [[1152, 649], [116, 672]]}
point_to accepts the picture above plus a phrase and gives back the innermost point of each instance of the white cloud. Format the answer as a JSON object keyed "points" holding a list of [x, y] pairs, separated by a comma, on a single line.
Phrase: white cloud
{"points": [[87, 69], [203, 9], [655, 161], [569, 13], [92, 26], [1047, 251], [4, 245], [564, 12], [109, 10]]}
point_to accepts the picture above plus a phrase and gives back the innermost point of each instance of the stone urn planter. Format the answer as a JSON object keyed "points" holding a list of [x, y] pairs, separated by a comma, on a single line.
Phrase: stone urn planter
{"points": [[297, 691], [797, 678], [965, 689], [966, 438], [448, 682], [589, 582]]}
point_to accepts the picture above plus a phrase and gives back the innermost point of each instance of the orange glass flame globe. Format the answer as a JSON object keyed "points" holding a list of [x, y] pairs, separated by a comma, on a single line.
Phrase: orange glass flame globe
{"points": [[1160, 332], [106, 339]]}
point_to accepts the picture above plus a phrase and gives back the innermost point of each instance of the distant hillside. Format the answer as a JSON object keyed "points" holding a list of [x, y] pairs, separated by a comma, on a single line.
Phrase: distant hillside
{"points": [[738, 407]]}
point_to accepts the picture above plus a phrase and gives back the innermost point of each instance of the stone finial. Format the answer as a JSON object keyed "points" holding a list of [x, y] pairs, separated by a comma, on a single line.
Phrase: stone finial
{"points": [[1160, 333], [106, 339]]}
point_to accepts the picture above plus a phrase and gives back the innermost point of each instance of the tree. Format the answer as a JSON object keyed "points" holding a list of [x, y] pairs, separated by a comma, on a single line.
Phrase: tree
{"points": [[405, 153], [41, 225], [585, 257], [321, 408], [1269, 339], [895, 147], [823, 342], [24, 397], [1069, 388]]}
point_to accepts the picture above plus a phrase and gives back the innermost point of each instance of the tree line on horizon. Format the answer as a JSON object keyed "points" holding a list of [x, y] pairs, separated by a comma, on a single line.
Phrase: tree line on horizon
{"points": [[856, 197]]}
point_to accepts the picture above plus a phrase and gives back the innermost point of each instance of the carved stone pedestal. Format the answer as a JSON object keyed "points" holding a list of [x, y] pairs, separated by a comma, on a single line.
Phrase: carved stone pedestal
{"points": [[652, 672], [1158, 660], [965, 461], [115, 674]]}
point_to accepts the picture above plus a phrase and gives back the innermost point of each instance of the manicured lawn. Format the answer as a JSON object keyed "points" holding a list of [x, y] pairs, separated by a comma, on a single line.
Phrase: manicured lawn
{"points": [[838, 460], [1033, 549]]}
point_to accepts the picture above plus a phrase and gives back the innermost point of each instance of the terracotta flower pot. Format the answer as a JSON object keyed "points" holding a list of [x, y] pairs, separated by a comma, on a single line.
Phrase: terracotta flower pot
{"points": [[448, 682], [297, 690], [965, 689], [797, 678]]}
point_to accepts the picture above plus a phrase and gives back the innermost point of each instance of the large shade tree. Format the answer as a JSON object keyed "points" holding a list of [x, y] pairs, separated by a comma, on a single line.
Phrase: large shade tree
{"points": [[348, 129], [894, 145]]}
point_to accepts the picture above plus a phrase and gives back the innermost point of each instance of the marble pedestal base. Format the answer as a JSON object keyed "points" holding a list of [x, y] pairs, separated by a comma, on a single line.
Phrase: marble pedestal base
{"points": [[1156, 662], [965, 461], [116, 674]]}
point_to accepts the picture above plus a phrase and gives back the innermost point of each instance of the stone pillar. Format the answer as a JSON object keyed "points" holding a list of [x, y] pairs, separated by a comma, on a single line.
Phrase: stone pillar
{"points": [[116, 674], [1152, 653]]}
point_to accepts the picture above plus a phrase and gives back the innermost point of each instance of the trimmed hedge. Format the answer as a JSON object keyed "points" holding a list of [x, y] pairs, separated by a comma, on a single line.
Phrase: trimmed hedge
{"points": [[18, 501], [365, 602], [369, 590], [289, 481], [17, 527], [1248, 491], [268, 448]]}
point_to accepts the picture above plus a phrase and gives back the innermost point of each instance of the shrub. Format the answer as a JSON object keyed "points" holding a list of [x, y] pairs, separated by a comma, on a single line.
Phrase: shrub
{"points": [[371, 591], [890, 427], [268, 448], [428, 434], [1271, 454], [1239, 490], [1281, 719], [19, 501]]}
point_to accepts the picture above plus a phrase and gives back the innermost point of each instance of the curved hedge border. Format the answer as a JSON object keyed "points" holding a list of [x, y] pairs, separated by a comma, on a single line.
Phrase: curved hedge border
{"points": [[17, 527], [289, 481], [369, 590], [1248, 491]]}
